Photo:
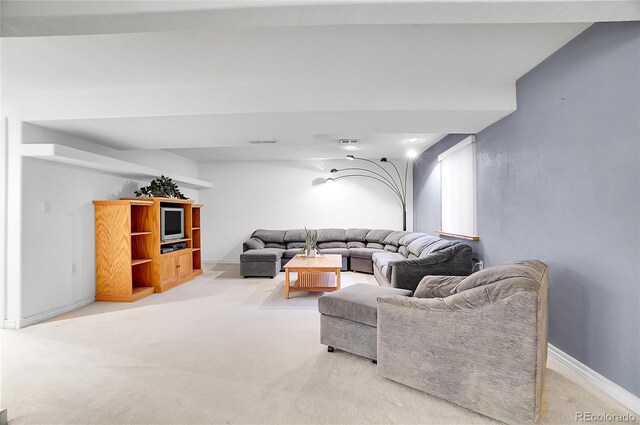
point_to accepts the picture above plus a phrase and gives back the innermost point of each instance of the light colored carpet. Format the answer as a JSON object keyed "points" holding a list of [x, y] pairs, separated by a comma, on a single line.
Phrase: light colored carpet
{"points": [[220, 349]]}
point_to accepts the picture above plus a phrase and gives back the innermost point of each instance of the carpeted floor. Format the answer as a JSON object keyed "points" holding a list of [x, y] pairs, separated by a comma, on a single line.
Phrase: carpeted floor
{"points": [[220, 349]]}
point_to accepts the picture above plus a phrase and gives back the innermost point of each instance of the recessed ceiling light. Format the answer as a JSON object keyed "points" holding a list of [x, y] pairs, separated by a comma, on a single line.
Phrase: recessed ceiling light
{"points": [[413, 140]]}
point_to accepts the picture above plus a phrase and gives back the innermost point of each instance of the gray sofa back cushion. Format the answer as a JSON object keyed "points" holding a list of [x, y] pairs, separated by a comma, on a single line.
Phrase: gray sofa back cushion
{"points": [[291, 245], [437, 246], [275, 236], [332, 235], [391, 248], [325, 245], [517, 271], [377, 236], [357, 235], [393, 238], [275, 245], [294, 235], [407, 239], [403, 250], [417, 246]]}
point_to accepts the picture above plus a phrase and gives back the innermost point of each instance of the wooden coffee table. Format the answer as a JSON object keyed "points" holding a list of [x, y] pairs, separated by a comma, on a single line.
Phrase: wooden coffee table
{"points": [[318, 274]]}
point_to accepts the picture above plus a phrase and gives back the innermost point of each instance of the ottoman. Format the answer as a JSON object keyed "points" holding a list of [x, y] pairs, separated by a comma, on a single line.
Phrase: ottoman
{"points": [[349, 318]]}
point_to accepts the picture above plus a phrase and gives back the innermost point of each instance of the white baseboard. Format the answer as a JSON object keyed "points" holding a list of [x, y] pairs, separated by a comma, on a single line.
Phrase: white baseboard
{"points": [[46, 315], [597, 381], [220, 262], [9, 324]]}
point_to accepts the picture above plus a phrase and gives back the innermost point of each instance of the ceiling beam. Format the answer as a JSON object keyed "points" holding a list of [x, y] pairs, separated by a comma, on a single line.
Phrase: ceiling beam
{"points": [[22, 19]]}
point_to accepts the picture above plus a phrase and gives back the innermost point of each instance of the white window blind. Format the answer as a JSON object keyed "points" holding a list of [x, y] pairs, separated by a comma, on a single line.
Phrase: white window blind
{"points": [[458, 188]]}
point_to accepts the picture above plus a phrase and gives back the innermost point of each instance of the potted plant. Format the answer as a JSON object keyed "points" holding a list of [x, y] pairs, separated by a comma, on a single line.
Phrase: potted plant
{"points": [[162, 187], [311, 243]]}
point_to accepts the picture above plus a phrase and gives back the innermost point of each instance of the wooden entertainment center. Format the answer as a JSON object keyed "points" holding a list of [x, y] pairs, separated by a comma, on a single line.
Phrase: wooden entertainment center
{"points": [[129, 263]]}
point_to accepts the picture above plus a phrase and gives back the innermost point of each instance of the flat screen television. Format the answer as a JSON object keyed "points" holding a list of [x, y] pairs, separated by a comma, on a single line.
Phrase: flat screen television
{"points": [[171, 223]]}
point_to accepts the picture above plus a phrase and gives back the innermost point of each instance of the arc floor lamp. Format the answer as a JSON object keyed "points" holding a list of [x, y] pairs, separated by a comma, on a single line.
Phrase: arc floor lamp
{"points": [[398, 186]]}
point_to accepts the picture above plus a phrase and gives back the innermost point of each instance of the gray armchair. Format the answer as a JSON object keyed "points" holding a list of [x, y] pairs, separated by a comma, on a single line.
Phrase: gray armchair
{"points": [[479, 341]]}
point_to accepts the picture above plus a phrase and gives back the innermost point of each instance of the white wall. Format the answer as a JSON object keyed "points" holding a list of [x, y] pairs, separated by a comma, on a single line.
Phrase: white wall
{"points": [[56, 243], [288, 194]]}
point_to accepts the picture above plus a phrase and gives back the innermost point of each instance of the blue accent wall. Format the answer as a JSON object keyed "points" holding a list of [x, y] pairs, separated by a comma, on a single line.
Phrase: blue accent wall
{"points": [[559, 180]]}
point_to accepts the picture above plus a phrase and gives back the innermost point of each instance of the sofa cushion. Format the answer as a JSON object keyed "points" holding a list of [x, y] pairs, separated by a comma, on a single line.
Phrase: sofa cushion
{"points": [[377, 235], [438, 245], [276, 236], [530, 270], [266, 254], [391, 248], [393, 238], [357, 235], [324, 245], [290, 253], [403, 250], [417, 246], [252, 243], [357, 303], [382, 258], [355, 244], [291, 245], [375, 245], [332, 235], [294, 235], [362, 252], [275, 245], [342, 251], [407, 239]]}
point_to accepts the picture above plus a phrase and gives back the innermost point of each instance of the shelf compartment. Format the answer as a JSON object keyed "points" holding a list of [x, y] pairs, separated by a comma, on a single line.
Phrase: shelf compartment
{"points": [[175, 241], [138, 261], [141, 292]]}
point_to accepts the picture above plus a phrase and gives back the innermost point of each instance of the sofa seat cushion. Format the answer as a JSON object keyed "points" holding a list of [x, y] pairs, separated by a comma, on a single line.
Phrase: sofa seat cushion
{"points": [[375, 245], [355, 244], [382, 258], [363, 252], [342, 251], [336, 244], [266, 254], [291, 252], [357, 303]]}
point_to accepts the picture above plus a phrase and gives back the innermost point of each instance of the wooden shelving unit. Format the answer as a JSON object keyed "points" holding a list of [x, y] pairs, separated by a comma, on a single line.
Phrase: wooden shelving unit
{"points": [[129, 265], [195, 235]]}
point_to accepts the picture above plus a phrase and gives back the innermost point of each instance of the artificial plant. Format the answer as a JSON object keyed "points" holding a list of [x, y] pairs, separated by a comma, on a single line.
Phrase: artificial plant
{"points": [[162, 187]]}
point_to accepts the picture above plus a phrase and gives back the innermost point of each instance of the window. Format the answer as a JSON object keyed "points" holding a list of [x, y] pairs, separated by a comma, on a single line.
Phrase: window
{"points": [[458, 188]]}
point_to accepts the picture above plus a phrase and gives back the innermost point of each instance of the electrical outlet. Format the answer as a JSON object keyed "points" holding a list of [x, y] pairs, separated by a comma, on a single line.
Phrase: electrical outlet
{"points": [[480, 265], [46, 207]]}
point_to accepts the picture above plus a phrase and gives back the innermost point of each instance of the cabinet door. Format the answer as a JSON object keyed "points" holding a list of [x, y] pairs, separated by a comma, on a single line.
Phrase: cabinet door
{"points": [[168, 268], [184, 264]]}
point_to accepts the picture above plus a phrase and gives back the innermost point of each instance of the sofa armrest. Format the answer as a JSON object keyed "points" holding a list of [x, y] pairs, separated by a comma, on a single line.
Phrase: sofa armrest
{"points": [[437, 286], [452, 261], [252, 243]]}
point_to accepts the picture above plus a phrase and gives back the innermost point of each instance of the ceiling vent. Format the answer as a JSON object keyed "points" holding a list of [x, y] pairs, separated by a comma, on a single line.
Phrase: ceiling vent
{"points": [[348, 141], [264, 142]]}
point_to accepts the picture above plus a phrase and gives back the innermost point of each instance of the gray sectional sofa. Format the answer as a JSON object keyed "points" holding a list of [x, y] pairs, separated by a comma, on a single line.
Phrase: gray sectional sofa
{"points": [[397, 259]]}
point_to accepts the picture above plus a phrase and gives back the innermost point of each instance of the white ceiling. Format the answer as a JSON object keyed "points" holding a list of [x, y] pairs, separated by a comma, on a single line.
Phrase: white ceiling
{"points": [[203, 93]]}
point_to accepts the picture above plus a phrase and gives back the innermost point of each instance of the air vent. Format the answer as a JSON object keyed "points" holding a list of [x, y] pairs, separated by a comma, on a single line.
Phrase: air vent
{"points": [[264, 142], [348, 141]]}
